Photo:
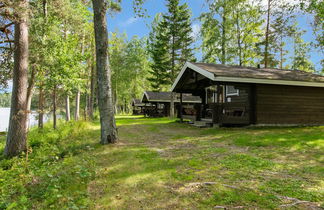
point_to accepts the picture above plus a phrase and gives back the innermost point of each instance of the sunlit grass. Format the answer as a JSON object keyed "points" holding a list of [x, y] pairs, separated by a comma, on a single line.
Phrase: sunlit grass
{"points": [[159, 163]]}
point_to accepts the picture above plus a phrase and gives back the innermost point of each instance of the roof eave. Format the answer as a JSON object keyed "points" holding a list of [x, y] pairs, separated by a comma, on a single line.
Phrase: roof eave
{"points": [[203, 72], [268, 81]]}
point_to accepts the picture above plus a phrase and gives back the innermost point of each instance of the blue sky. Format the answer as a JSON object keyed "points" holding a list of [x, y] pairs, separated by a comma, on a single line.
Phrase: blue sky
{"points": [[125, 21]]}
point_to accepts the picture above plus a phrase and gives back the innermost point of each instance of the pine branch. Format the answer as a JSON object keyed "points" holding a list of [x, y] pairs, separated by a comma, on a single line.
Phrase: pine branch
{"points": [[6, 41], [4, 28]]}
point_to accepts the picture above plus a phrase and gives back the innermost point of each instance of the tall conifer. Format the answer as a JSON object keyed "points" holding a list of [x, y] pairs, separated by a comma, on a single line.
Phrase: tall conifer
{"points": [[172, 45]]}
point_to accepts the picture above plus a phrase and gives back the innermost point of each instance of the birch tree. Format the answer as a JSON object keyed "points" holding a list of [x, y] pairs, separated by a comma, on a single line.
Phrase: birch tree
{"points": [[106, 108]]}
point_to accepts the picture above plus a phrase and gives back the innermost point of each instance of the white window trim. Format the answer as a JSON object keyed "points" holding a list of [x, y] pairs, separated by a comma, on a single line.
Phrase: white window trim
{"points": [[232, 94]]}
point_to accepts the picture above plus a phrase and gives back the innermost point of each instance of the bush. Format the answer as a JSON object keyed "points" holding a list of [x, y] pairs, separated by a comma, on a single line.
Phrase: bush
{"points": [[56, 173]]}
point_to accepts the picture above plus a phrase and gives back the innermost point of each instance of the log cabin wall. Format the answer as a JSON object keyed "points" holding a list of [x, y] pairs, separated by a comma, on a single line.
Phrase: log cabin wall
{"points": [[237, 108], [243, 96], [293, 105]]}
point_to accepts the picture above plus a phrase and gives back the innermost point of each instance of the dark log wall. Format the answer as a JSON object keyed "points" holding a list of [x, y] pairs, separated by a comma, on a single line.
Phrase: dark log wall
{"points": [[289, 105], [238, 111], [243, 96]]}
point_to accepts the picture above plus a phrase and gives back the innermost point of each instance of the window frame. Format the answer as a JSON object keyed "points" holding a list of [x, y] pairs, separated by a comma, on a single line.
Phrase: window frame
{"points": [[237, 93]]}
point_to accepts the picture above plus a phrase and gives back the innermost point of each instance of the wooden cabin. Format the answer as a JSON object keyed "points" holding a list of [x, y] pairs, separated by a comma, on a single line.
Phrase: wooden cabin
{"points": [[236, 95], [138, 106], [160, 104]]}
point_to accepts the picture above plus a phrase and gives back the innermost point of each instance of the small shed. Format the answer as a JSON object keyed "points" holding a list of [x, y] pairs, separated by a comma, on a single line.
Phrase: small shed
{"points": [[138, 106], [236, 95], [160, 104]]}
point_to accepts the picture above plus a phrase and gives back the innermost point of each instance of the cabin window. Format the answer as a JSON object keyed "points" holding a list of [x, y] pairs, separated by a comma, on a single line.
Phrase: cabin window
{"points": [[231, 91]]}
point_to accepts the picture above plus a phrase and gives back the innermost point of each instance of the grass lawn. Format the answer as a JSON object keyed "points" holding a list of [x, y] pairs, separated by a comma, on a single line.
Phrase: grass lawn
{"points": [[161, 164]]}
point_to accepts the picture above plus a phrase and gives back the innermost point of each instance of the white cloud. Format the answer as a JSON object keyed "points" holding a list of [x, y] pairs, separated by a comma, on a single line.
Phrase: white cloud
{"points": [[195, 30], [129, 21]]}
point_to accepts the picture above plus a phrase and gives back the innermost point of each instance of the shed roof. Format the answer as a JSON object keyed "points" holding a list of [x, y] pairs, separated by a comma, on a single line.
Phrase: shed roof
{"points": [[137, 102], [150, 96], [241, 74]]}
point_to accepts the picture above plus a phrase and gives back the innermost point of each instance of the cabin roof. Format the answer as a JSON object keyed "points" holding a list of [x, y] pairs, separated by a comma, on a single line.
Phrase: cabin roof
{"points": [[150, 96], [240, 74], [137, 102]]}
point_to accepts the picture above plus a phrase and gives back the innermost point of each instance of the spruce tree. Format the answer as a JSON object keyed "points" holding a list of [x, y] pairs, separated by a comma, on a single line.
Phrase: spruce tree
{"points": [[158, 48], [171, 46], [178, 26]]}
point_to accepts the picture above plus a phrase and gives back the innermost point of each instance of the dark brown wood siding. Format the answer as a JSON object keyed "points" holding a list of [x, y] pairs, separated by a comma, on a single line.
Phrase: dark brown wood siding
{"points": [[243, 96], [238, 110], [276, 104]]}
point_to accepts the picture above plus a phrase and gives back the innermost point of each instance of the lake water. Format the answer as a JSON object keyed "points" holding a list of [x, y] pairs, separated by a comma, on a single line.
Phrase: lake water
{"points": [[5, 114]]}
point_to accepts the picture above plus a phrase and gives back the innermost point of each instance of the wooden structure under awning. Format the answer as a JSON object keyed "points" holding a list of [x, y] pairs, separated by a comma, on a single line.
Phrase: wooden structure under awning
{"points": [[138, 107], [160, 104], [236, 95]]}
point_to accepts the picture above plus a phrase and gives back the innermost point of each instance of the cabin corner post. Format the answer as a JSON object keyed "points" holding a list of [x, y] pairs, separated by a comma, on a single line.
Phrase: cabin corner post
{"points": [[203, 104], [180, 109], [218, 108]]}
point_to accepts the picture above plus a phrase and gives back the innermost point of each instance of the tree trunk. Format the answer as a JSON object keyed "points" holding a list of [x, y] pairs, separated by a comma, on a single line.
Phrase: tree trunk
{"points": [[223, 61], [30, 92], [266, 47], [172, 105], [41, 108], [92, 92], [67, 108], [41, 91], [54, 107], [106, 108], [239, 38], [281, 57], [172, 77], [17, 135], [86, 108], [77, 106]]}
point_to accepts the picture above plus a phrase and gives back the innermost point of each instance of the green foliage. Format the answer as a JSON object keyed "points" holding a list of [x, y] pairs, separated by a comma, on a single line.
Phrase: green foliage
{"points": [[177, 24], [316, 8], [158, 48], [170, 44], [300, 58], [231, 31], [246, 167], [56, 173], [5, 99], [129, 64]]}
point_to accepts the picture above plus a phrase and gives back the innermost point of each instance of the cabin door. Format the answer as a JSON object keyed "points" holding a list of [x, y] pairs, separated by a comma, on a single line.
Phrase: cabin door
{"points": [[214, 100]]}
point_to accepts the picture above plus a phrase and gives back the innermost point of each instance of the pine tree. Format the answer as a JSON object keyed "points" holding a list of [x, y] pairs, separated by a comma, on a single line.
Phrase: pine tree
{"points": [[17, 136]]}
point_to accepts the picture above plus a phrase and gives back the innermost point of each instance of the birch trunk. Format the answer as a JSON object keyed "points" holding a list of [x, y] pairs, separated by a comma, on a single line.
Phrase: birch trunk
{"points": [[41, 108], [106, 108], [54, 107], [266, 47], [17, 135], [41, 92], [67, 108], [77, 106], [92, 92], [30, 92], [172, 105]]}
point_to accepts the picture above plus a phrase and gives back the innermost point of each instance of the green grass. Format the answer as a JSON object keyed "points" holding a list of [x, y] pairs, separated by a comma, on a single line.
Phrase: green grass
{"points": [[161, 164]]}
